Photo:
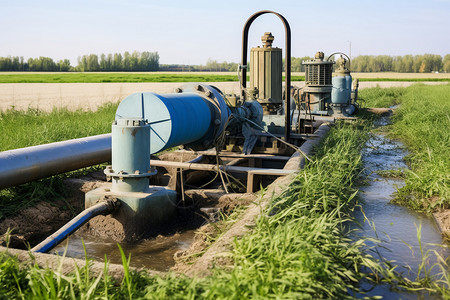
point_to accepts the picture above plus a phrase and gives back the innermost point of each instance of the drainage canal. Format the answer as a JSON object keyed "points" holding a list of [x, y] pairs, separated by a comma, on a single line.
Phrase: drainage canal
{"points": [[396, 227]]}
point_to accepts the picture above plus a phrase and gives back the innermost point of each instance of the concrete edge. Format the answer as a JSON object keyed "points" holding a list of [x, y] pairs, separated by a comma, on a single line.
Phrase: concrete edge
{"points": [[202, 266]]}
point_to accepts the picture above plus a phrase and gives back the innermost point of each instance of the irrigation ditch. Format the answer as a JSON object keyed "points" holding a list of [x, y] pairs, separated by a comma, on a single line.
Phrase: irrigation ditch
{"points": [[410, 240]]}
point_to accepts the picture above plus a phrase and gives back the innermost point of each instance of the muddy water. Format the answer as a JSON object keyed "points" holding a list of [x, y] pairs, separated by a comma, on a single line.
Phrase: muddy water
{"points": [[395, 226], [156, 254]]}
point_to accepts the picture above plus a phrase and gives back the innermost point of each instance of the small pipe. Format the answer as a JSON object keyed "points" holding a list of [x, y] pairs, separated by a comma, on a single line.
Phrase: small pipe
{"points": [[104, 207]]}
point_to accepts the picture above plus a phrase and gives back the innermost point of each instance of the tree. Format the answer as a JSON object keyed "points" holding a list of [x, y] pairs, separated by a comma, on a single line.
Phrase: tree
{"points": [[446, 63], [64, 65]]}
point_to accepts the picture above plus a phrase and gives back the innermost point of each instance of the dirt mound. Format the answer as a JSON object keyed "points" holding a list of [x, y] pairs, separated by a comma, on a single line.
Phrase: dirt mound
{"points": [[33, 224]]}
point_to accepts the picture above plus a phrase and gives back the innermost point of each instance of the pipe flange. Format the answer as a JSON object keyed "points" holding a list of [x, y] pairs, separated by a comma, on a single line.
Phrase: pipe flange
{"points": [[109, 172], [218, 107]]}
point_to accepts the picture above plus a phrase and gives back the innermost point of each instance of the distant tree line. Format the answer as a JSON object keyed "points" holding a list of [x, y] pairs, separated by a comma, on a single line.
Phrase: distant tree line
{"points": [[46, 64], [149, 61], [404, 64], [136, 61], [384, 63], [211, 66]]}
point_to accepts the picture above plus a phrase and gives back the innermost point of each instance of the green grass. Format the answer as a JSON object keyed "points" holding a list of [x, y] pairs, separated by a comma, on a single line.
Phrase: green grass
{"points": [[406, 79], [153, 77], [380, 97], [112, 77], [119, 77], [33, 127], [421, 122]]}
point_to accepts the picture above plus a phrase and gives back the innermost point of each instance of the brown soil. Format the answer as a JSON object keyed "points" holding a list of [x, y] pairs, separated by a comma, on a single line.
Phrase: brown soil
{"points": [[33, 224], [442, 218]]}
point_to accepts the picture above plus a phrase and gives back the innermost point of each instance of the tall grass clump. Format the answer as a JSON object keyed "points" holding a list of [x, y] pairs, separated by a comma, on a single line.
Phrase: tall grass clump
{"points": [[299, 249], [380, 97], [422, 122]]}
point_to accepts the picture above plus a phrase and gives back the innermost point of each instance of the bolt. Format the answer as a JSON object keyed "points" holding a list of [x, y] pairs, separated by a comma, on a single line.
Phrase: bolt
{"points": [[217, 122], [178, 90]]}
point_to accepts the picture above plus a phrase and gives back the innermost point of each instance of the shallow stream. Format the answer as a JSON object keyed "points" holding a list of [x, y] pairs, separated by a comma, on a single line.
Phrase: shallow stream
{"points": [[395, 226]]}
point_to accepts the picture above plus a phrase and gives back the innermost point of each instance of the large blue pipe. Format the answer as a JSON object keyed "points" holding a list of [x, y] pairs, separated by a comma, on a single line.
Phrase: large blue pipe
{"points": [[174, 119], [195, 114]]}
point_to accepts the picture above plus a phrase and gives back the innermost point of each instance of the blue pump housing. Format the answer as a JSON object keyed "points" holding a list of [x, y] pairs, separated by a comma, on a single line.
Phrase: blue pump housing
{"points": [[342, 88]]}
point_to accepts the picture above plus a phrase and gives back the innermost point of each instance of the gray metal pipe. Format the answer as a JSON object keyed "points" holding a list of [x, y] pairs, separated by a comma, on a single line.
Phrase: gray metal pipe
{"points": [[27, 164]]}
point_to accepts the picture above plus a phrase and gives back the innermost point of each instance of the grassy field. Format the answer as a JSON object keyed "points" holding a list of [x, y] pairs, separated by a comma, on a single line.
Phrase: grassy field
{"points": [[33, 127], [112, 77], [96, 77], [421, 122]]}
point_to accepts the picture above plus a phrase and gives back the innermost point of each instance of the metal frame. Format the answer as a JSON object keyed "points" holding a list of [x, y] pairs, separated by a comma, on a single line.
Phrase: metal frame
{"points": [[287, 71]]}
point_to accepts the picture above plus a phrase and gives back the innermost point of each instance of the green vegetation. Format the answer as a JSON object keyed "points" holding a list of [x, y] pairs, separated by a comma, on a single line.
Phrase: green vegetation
{"points": [[426, 63], [376, 79], [34, 127], [379, 97], [153, 77], [421, 122], [112, 77], [136, 61]]}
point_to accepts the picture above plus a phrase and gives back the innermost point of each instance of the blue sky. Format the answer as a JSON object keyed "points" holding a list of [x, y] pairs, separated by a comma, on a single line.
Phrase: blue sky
{"points": [[190, 32]]}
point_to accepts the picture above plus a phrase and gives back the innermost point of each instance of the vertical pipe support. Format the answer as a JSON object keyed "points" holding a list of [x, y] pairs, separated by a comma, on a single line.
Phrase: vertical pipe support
{"points": [[130, 155]]}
